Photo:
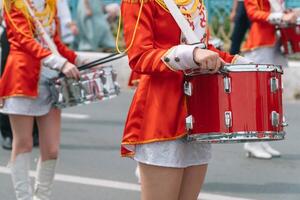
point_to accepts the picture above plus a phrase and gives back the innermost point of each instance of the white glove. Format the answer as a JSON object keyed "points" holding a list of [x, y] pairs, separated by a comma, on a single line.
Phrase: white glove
{"points": [[181, 57], [54, 62]]}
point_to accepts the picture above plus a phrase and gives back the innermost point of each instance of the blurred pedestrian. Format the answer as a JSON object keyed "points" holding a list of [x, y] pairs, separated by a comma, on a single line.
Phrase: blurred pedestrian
{"points": [[68, 27], [263, 46], [239, 16], [25, 92], [94, 30]]}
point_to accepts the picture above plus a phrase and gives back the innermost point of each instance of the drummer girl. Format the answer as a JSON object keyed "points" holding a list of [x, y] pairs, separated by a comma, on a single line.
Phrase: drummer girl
{"points": [[25, 93], [262, 46], [154, 132]]}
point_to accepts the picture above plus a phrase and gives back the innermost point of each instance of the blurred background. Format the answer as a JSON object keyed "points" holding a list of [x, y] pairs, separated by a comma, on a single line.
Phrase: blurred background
{"points": [[91, 166]]}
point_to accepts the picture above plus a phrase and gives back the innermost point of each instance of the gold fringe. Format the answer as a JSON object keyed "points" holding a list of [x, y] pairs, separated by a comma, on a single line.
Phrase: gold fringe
{"points": [[49, 12], [137, 1]]}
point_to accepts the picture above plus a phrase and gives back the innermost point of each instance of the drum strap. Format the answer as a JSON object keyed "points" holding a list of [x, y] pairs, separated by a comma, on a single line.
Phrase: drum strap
{"points": [[182, 22]]}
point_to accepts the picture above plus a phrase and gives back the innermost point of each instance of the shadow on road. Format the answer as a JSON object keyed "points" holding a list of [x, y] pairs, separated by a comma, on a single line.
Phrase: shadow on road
{"points": [[272, 188]]}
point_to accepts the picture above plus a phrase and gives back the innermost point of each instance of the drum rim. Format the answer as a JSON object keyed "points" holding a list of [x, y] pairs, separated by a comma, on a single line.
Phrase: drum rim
{"points": [[235, 137], [253, 68]]}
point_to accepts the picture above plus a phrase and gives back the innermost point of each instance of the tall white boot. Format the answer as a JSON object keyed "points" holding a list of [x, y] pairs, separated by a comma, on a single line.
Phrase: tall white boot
{"points": [[256, 150], [20, 176], [44, 179], [137, 173], [270, 150]]}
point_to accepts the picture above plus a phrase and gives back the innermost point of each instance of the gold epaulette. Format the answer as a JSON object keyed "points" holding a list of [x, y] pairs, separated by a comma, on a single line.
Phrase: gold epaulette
{"points": [[137, 1]]}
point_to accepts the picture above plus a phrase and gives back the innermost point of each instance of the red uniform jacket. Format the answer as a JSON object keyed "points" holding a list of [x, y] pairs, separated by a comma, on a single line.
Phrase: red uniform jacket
{"points": [[262, 33], [22, 70], [158, 110]]}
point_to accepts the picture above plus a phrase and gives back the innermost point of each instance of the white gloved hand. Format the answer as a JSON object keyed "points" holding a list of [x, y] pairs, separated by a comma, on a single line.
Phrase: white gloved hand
{"points": [[181, 57]]}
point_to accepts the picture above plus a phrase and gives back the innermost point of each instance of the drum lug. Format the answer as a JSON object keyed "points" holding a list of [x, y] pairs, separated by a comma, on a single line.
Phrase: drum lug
{"points": [[189, 121], [227, 84], [274, 84], [284, 122], [289, 48], [228, 119], [275, 118], [188, 88]]}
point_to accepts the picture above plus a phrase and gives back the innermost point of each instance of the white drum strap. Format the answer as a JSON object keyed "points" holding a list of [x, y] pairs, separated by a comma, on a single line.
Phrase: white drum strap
{"points": [[277, 5], [182, 22], [40, 28]]}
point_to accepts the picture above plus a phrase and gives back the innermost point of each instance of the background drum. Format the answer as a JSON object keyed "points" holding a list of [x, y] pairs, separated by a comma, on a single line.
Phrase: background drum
{"points": [[95, 84], [290, 38]]}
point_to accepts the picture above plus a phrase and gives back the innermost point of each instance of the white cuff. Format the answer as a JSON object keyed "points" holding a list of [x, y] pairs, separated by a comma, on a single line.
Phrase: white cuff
{"points": [[275, 18], [240, 60], [80, 60], [181, 57], [54, 62]]}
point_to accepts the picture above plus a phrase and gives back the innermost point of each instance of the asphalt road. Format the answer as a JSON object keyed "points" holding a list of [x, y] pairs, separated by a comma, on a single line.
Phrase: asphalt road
{"points": [[91, 168]]}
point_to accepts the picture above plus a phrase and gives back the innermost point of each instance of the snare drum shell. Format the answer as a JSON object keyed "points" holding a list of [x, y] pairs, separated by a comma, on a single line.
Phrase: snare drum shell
{"points": [[250, 103]]}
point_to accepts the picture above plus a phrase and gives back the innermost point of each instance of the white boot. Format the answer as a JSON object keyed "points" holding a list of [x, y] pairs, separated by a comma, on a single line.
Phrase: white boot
{"points": [[137, 173], [44, 179], [20, 176], [256, 150], [270, 150]]}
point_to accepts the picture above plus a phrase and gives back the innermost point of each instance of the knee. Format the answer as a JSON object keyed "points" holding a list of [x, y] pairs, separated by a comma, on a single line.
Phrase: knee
{"points": [[23, 144], [51, 154]]}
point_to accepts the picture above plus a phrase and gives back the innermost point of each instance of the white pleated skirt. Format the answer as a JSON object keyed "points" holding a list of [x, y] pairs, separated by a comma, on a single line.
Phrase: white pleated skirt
{"points": [[32, 107], [177, 153]]}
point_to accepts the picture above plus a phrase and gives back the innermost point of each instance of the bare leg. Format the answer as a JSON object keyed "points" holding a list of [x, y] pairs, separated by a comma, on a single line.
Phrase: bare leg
{"points": [[160, 183], [20, 156], [49, 129], [193, 178], [22, 134], [49, 134]]}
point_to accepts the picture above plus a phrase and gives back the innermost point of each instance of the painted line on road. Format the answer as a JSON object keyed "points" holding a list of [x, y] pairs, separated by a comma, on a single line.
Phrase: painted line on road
{"points": [[75, 116], [115, 184], [294, 64]]}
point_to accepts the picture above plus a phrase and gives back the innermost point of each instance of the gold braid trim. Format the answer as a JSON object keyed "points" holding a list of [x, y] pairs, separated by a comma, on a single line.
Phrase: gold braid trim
{"points": [[137, 1], [49, 12]]}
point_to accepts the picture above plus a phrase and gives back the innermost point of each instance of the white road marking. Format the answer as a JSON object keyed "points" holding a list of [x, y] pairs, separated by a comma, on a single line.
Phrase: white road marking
{"points": [[294, 64], [116, 184], [206, 196], [74, 116]]}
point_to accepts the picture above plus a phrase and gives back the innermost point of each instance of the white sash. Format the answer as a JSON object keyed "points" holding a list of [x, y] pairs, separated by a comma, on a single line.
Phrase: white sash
{"points": [[277, 5], [182, 22]]}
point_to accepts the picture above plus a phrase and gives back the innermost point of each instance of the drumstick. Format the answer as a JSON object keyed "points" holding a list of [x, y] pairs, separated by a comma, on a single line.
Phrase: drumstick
{"points": [[97, 62], [101, 61]]}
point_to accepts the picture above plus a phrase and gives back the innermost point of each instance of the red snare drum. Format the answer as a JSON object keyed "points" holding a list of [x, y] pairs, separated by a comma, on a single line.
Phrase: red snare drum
{"points": [[290, 39], [244, 104]]}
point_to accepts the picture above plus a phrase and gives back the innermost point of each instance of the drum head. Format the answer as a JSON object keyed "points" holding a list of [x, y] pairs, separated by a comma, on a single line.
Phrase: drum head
{"points": [[253, 68]]}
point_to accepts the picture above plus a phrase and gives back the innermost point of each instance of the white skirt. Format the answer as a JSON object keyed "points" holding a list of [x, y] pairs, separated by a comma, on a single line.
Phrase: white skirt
{"points": [[177, 153], [32, 107]]}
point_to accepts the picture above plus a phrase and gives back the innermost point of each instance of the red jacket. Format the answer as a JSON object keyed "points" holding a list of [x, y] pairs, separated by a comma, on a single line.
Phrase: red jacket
{"points": [[262, 33], [157, 111], [22, 70]]}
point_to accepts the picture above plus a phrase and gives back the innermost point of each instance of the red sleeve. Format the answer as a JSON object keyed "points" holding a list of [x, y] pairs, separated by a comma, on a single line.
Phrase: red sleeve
{"points": [[143, 56], [22, 34], [224, 55], [61, 47], [255, 11]]}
